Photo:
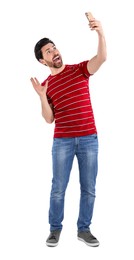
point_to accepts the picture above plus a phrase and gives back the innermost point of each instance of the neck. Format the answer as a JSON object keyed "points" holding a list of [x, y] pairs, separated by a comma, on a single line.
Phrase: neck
{"points": [[55, 71]]}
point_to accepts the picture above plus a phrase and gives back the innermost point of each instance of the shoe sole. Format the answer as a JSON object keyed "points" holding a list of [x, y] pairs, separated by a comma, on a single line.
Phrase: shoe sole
{"points": [[51, 244], [89, 244]]}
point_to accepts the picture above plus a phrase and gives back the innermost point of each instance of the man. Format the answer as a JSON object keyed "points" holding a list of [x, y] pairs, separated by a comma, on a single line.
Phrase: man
{"points": [[65, 99]]}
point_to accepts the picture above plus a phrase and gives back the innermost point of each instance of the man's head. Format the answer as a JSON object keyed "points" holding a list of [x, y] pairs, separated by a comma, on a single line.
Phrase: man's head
{"points": [[47, 53]]}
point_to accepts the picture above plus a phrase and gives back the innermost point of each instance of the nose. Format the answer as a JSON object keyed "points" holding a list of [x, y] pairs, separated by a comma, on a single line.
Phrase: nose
{"points": [[54, 51]]}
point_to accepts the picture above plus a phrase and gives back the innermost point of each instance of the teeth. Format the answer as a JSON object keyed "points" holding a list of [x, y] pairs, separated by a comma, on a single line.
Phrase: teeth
{"points": [[56, 57]]}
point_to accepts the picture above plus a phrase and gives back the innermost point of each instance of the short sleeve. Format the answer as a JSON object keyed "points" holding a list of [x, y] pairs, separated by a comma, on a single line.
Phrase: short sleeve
{"points": [[83, 68]]}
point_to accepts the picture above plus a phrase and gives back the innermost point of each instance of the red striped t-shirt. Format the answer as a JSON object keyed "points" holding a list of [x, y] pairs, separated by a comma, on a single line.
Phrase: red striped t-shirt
{"points": [[68, 92]]}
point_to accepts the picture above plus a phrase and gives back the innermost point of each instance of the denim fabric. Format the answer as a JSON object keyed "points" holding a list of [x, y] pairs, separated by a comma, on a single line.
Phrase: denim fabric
{"points": [[85, 148]]}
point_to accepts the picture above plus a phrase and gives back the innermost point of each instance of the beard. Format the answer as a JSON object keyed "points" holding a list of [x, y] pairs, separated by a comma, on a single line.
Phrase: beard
{"points": [[55, 64]]}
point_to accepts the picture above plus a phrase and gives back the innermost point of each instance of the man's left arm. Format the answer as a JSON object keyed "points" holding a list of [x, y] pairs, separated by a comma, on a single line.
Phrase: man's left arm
{"points": [[94, 64]]}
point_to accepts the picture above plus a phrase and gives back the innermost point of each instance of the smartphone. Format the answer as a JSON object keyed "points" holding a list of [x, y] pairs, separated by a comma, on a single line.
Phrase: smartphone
{"points": [[89, 16]]}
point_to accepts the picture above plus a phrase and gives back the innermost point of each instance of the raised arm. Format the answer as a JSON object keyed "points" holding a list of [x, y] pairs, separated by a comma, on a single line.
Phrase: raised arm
{"points": [[47, 111], [94, 64]]}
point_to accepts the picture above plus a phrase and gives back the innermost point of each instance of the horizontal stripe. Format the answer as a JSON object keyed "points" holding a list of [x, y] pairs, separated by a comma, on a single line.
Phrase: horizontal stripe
{"points": [[73, 120], [59, 112], [63, 78], [74, 103], [77, 130], [70, 86], [68, 126], [68, 92], [72, 115], [73, 97]]}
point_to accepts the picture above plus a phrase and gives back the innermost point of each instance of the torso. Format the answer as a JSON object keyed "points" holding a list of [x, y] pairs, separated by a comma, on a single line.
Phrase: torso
{"points": [[69, 94]]}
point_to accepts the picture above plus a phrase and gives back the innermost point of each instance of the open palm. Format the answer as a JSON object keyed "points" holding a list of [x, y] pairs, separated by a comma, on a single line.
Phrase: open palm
{"points": [[41, 90]]}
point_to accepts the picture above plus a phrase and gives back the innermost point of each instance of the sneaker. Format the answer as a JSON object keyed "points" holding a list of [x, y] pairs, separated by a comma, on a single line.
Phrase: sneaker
{"points": [[53, 238], [88, 238]]}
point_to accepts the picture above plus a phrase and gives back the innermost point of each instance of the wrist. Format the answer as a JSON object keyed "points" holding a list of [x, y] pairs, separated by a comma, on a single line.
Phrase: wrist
{"points": [[43, 97], [101, 34]]}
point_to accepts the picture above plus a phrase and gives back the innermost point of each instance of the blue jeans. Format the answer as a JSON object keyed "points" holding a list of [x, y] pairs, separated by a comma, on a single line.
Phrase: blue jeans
{"points": [[85, 148]]}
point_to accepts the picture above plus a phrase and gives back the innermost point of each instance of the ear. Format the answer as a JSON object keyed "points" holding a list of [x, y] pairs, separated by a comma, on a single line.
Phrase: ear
{"points": [[42, 61]]}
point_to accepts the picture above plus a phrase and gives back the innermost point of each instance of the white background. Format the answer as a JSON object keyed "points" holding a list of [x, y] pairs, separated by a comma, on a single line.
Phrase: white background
{"points": [[26, 139]]}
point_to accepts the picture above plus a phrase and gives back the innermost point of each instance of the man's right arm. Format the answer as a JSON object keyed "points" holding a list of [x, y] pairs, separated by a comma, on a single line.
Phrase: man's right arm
{"points": [[47, 111]]}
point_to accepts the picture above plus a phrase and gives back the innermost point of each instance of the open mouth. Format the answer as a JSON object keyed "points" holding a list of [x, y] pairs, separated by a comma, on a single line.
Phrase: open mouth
{"points": [[57, 58]]}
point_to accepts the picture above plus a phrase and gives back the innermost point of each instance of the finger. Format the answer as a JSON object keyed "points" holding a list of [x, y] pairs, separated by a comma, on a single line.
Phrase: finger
{"points": [[33, 81], [34, 84], [95, 24], [36, 81], [93, 27]]}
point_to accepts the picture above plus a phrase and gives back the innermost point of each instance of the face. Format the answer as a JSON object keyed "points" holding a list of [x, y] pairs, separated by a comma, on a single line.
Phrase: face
{"points": [[51, 56]]}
